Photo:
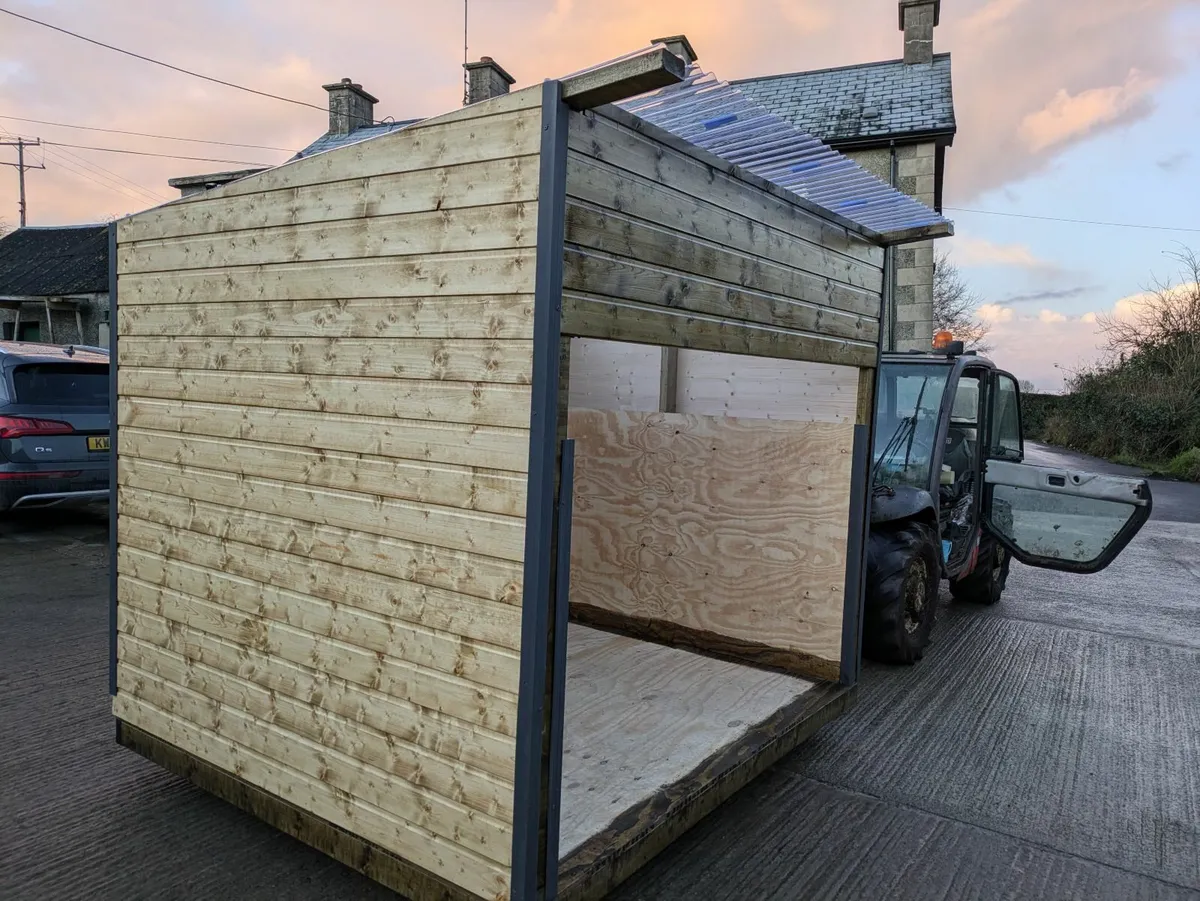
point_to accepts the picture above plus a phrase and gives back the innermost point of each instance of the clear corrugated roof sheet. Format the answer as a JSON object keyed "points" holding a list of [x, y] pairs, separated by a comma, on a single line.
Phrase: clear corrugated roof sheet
{"points": [[717, 117]]}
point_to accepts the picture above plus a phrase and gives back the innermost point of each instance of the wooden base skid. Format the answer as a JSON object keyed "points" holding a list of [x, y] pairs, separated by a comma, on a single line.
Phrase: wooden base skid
{"points": [[374, 862], [612, 856]]}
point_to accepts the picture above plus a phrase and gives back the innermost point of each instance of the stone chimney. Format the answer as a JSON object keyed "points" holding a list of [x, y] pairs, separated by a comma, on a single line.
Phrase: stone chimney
{"points": [[680, 46], [918, 18], [350, 107], [486, 79]]}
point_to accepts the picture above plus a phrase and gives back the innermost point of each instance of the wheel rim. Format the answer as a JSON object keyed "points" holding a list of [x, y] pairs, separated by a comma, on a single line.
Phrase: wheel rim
{"points": [[916, 589]]}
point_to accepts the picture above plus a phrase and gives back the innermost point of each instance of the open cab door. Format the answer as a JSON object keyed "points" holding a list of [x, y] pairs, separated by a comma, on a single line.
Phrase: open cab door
{"points": [[1047, 517]]}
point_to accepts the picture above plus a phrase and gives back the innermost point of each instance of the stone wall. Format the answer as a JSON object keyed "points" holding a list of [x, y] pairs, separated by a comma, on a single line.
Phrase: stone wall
{"points": [[92, 311], [916, 164]]}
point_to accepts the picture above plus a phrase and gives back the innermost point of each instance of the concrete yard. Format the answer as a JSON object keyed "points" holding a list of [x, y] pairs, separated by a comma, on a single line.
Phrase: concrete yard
{"points": [[1048, 748]]}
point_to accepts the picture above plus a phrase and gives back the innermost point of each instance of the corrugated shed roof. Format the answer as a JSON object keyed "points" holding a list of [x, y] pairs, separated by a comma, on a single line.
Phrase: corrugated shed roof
{"points": [[876, 100], [718, 117], [329, 141], [49, 262]]}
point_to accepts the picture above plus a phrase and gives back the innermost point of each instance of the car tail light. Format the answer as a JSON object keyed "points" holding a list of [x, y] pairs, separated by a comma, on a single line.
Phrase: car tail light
{"points": [[20, 427]]}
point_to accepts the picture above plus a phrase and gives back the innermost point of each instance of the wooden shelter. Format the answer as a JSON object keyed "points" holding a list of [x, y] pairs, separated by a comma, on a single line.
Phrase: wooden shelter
{"points": [[391, 415]]}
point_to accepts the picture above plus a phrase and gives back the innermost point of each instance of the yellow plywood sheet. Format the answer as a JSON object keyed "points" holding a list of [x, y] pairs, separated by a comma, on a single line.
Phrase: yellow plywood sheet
{"points": [[726, 534]]}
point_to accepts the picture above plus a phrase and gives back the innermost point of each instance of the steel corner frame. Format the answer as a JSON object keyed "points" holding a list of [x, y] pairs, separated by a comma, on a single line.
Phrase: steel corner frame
{"points": [[531, 777]]}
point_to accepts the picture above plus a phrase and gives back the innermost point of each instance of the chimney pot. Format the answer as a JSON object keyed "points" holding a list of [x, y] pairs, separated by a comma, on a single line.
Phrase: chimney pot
{"points": [[350, 107], [680, 46], [486, 79], [918, 18]]}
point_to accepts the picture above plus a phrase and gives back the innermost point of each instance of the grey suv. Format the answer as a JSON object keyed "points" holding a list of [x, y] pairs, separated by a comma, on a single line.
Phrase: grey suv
{"points": [[54, 425]]}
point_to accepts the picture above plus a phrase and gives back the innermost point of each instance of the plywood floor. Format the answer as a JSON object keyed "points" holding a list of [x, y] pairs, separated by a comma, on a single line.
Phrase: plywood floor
{"points": [[641, 716]]}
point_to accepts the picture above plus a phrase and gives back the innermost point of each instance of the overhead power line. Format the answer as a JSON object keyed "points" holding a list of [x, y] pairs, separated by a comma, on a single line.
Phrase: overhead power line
{"points": [[1162, 228], [169, 156], [157, 62], [142, 134]]}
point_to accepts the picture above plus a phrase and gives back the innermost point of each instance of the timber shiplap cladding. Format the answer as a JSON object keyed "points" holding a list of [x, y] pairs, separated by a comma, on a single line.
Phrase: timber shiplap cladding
{"points": [[324, 401], [663, 248]]}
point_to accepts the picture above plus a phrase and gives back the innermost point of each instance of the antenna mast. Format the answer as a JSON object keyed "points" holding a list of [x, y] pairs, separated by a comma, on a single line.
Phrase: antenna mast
{"points": [[466, 74]]}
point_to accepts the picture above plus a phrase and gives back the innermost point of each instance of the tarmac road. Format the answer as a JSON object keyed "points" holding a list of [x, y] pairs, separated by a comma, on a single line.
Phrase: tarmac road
{"points": [[1047, 748]]}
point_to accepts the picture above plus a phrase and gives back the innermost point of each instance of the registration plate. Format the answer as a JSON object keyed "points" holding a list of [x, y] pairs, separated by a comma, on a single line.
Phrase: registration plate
{"points": [[98, 443]]}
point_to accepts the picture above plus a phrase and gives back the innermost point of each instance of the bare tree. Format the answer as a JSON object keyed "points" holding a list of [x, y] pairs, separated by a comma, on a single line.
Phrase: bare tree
{"points": [[955, 305], [1166, 320], [1027, 387]]}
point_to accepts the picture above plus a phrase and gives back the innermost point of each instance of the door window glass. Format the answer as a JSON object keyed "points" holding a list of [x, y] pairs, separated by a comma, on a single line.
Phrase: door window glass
{"points": [[1006, 420]]}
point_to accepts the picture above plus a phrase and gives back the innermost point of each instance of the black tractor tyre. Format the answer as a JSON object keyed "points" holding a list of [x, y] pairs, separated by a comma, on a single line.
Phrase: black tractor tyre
{"points": [[903, 575], [985, 584]]}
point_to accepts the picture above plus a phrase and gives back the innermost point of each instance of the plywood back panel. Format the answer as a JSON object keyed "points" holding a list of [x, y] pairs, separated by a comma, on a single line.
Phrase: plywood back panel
{"points": [[611, 375], [719, 384], [724, 534], [324, 404]]}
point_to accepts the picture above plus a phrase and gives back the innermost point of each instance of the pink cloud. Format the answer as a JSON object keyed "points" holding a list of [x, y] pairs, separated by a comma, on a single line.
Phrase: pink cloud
{"points": [[1067, 117]]}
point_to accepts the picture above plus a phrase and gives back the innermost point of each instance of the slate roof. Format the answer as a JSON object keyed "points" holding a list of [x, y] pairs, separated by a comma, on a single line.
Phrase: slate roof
{"points": [[858, 103], [47, 262], [330, 141]]}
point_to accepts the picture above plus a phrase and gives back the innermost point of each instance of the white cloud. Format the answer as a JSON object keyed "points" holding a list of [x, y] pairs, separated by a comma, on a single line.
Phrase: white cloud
{"points": [[993, 313], [1051, 316]]}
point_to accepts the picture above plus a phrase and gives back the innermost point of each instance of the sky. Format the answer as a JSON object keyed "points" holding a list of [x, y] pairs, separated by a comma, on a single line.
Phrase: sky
{"points": [[1071, 110]]}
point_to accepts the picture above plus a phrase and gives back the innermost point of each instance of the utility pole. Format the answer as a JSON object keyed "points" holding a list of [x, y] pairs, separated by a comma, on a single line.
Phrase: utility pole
{"points": [[21, 144]]}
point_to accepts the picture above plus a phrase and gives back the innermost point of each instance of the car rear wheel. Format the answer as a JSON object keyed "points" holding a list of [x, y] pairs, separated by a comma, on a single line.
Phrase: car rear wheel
{"points": [[903, 575]]}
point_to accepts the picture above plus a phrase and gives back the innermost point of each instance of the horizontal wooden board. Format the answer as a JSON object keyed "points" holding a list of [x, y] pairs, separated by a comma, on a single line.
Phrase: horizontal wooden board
{"points": [[592, 316], [733, 531], [487, 708], [442, 817], [596, 228], [500, 317], [714, 384], [465, 230], [437, 609], [358, 621], [412, 763], [607, 375], [496, 448], [419, 845], [487, 490], [649, 200], [486, 534], [598, 136], [355, 550], [436, 275], [425, 733], [507, 130], [472, 403], [475, 183], [594, 272], [433, 359]]}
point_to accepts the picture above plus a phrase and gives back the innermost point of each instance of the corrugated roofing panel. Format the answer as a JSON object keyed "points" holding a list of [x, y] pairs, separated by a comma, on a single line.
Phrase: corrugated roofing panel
{"points": [[717, 117]]}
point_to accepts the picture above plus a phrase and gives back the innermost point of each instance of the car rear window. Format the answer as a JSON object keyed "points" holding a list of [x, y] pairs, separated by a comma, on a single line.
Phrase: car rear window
{"points": [[61, 384]]}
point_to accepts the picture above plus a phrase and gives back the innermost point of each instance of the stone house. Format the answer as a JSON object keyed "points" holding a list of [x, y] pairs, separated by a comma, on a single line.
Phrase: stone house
{"points": [[896, 119], [54, 285]]}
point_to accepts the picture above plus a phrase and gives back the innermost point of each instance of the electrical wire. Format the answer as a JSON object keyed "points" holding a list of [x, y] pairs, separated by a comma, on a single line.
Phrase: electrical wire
{"points": [[228, 84], [96, 167], [68, 167], [169, 156], [1164, 228], [142, 134]]}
